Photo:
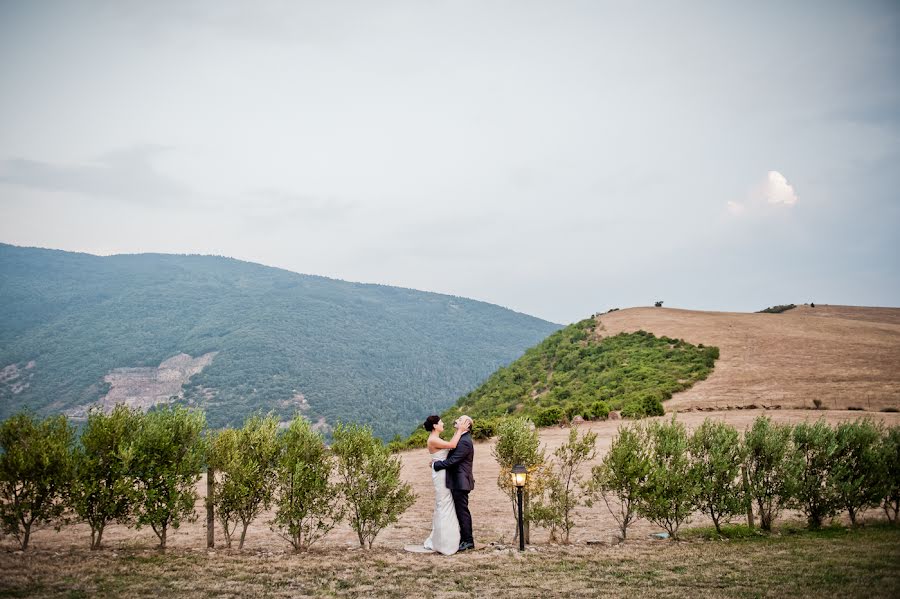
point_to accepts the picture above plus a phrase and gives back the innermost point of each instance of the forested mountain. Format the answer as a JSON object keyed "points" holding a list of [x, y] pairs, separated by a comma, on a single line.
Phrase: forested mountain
{"points": [[265, 338]]}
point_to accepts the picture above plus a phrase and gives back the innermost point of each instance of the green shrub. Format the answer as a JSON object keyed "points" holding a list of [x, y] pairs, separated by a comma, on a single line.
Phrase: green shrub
{"points": [[777, 309], [549, 416], [599, 410], [573, 409], [648, 405], [417, 440], [484, 428]]}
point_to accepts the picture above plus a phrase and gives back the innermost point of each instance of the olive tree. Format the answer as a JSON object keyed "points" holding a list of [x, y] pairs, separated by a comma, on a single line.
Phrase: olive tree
{"points": [[244, 461], [668, 494], [35, 472], [618, 479], [102, 488], [857, 466], [716, 457], [306, 505], [767, 452], [223, 446], [814, 489], [518, 442], [369, 481], [566, 489], [889, 453], [167, 461]]}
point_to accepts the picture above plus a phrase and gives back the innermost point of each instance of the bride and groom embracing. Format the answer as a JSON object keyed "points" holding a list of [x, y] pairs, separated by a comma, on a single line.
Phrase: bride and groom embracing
{"points": [[451, 473]]}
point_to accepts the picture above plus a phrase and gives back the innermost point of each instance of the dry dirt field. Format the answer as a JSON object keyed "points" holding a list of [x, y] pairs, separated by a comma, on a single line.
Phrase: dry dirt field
{"points": [[858, 563], [847, 357]]}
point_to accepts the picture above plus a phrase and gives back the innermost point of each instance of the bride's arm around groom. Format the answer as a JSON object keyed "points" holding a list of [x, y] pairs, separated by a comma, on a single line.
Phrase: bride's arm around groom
{"points": [[460, 480]]}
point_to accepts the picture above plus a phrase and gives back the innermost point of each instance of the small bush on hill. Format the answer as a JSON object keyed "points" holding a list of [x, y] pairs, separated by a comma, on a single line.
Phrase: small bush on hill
{"points": [[417, 440], [549, 417], [777, 309], [648, 405], [484, 428], [599, 410]]}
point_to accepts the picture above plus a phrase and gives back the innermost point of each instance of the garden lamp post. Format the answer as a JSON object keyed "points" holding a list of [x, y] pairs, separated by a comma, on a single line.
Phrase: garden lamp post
{"points": [[519, 477]]}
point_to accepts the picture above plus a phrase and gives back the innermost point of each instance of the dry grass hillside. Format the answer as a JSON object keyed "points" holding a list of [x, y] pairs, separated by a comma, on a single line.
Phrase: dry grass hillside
{"points": [[844, 356]]}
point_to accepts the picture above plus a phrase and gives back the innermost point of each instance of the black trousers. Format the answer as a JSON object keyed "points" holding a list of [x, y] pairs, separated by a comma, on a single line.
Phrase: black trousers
{"points": [[461, 503]]}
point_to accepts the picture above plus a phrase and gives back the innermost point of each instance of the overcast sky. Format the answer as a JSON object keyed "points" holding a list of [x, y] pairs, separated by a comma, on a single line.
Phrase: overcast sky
{"points": [[558, 158]]}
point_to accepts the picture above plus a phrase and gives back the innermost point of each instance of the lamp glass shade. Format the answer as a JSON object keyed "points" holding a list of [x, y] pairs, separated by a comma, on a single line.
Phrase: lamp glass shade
{"points": [[519, 475]]}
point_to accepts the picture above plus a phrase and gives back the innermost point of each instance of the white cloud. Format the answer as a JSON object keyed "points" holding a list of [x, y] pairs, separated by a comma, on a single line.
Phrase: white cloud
{"points": [[774, 190], [736, 208], [777, 190]]}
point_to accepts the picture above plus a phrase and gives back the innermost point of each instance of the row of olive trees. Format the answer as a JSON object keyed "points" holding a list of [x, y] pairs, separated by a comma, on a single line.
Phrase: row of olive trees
{"points": [[664, 474], [142, 469]]}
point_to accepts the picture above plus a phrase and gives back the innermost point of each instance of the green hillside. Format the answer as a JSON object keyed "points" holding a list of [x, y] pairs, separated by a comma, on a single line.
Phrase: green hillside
{"points": [[577, 372], [365, 353]]}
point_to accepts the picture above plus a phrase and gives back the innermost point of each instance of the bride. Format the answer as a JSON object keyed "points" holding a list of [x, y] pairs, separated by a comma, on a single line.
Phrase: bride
{"points": [[444, 536]]}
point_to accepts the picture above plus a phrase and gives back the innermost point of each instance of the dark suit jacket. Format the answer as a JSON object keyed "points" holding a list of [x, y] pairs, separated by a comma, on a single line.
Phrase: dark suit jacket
{"points": [[459, 465]]}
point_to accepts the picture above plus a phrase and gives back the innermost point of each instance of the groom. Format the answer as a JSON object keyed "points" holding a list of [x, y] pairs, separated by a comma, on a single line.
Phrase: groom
{"points": [[460, 480]]}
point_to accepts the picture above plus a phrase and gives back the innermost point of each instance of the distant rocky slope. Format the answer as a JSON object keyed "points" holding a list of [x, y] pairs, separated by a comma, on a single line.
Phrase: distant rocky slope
{"points": [[234, 337]]}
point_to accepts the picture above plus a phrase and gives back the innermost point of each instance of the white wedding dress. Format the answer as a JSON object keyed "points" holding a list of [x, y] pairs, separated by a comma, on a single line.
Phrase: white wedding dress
{"points": [[444, 537]]}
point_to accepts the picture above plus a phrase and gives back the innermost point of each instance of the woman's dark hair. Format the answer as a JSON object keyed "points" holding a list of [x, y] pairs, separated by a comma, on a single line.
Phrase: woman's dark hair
{"points": [[430, 422]]}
